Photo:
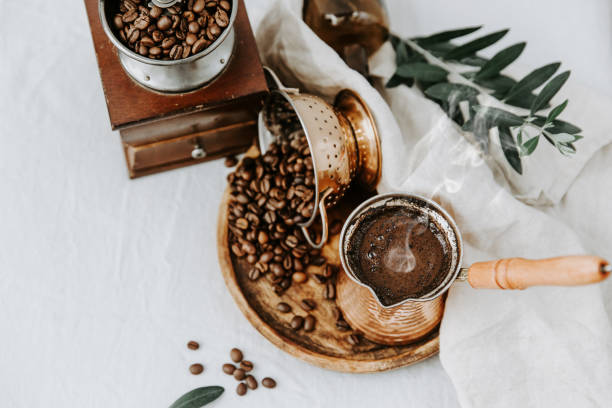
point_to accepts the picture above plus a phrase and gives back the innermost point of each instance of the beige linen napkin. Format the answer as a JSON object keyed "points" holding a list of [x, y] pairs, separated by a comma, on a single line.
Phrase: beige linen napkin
{"points": [[540, 347]]}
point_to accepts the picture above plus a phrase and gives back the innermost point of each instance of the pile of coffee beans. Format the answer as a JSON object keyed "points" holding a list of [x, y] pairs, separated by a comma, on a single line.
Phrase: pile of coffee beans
{"points": [[242, 373], [270, 196], [172, 33]]}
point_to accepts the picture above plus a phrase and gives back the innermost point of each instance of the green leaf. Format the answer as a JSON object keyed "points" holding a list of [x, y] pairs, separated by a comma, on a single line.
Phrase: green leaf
{"points": [[563, 138], [451, 92], [522, 101], [500, 61], [422, 71], [556, 111], [439, 49], [532, 80], [396, 80], [500, 84], [401, 53], [559, 126], [509, 148], [496, 116], [566, 149], [198, 397], [473, 60], [549, 90], [530, 145], [446, 35], [475, 45]]}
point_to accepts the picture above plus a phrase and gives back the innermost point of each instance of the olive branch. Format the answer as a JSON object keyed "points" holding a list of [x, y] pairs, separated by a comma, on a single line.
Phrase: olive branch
{"points": [[431, 62]]}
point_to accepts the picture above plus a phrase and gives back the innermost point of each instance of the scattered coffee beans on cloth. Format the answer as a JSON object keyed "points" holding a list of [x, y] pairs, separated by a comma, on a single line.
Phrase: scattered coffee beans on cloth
{"points": [[270, 196], [172, 33], [246, 381]]}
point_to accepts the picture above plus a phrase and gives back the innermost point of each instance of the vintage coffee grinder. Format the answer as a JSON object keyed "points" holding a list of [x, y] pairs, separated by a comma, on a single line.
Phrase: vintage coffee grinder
{"points": [[173, 113]]}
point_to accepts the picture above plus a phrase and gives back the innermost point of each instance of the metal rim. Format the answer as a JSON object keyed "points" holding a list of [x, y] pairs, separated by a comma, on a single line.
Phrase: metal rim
{"points": [[436, 292], [125, 50]]}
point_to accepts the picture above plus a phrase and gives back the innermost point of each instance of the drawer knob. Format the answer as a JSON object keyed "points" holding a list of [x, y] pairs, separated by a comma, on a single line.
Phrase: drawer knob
{"points": [[198, 152]]}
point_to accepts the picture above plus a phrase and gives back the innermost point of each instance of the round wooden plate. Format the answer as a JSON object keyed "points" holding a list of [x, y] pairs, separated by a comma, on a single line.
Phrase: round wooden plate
{"points": [[326, 346]]}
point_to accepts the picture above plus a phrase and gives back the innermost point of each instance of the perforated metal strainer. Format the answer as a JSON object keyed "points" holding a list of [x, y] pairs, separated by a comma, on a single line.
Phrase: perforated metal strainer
{"points": [[343, 142]]}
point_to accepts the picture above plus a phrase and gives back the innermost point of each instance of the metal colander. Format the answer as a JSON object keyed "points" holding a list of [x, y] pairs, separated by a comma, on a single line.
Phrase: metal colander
{"points": [[343, 142]]}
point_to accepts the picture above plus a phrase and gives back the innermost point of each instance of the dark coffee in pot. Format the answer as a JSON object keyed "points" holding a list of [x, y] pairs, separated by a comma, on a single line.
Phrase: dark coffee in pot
{"points": [[399, 252]]}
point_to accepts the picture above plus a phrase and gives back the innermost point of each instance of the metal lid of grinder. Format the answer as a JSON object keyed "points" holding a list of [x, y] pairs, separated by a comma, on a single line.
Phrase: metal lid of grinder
{"points": [[343, 141]]}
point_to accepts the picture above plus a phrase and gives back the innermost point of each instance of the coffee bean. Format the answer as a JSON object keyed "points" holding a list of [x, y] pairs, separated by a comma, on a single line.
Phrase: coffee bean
{"points": [[318, 260], [155, 12], [308, 304], [336, 313], [277, 270], [254, 274], [164, 23], [142, 22], [342, 325], [330, 291], [283, 307], [299, 277], [198, 6], [196, 369], [297, 322], [268, 382], [230, 161], [241, 389], [251, 382], [353, 339], [176, 52], [239, 374], [193, 345], [236, 355], [225, 5], [229, 368], [320, 278], [246, 365], [130, 16], [118, 22], [199, 45], [190, 39], [168, 43], [309, 323], [155, 51], [329, 271]]}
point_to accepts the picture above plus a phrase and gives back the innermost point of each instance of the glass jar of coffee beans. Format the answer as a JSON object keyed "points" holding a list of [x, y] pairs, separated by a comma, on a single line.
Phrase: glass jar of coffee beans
{"points": [[172, 33]]}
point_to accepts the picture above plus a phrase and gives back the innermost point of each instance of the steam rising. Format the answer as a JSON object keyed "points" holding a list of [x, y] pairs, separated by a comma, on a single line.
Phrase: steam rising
{"points": [[399, 256]]}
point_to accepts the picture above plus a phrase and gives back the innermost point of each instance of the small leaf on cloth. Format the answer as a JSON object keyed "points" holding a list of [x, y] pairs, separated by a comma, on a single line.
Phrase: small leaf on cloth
{"points": [[474, 45], [497, 117], [198, 397], [509, 148], [530, 145], [556, 111], [451, 92], [549, 90], [532, 80], [500, 61], [446, 35], [566, 149], [422, 71]]}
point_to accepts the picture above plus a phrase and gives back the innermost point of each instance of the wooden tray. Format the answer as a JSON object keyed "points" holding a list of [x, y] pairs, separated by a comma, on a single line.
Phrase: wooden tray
{"points": [[326, 346]]}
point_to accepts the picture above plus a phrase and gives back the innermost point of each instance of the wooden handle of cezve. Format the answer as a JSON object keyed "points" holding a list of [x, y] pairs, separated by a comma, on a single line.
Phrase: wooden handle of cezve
{"points": [[519, 273]]}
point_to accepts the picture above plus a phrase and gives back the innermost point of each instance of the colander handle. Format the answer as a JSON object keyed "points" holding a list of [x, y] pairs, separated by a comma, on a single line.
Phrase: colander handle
{"points": [[324, 228], [519, 273]]}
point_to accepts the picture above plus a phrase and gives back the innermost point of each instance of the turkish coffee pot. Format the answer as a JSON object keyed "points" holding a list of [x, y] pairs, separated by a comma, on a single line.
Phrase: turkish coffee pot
{"points": [[414, 317]]}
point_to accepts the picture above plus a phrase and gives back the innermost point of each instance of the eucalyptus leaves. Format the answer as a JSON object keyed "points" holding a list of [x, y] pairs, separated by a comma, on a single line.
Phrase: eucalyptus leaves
{"points": [[428, 63], [198, 397]]}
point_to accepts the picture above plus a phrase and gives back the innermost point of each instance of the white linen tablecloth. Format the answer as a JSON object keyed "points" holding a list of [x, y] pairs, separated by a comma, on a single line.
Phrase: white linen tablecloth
{"points": [[103, 280]]}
